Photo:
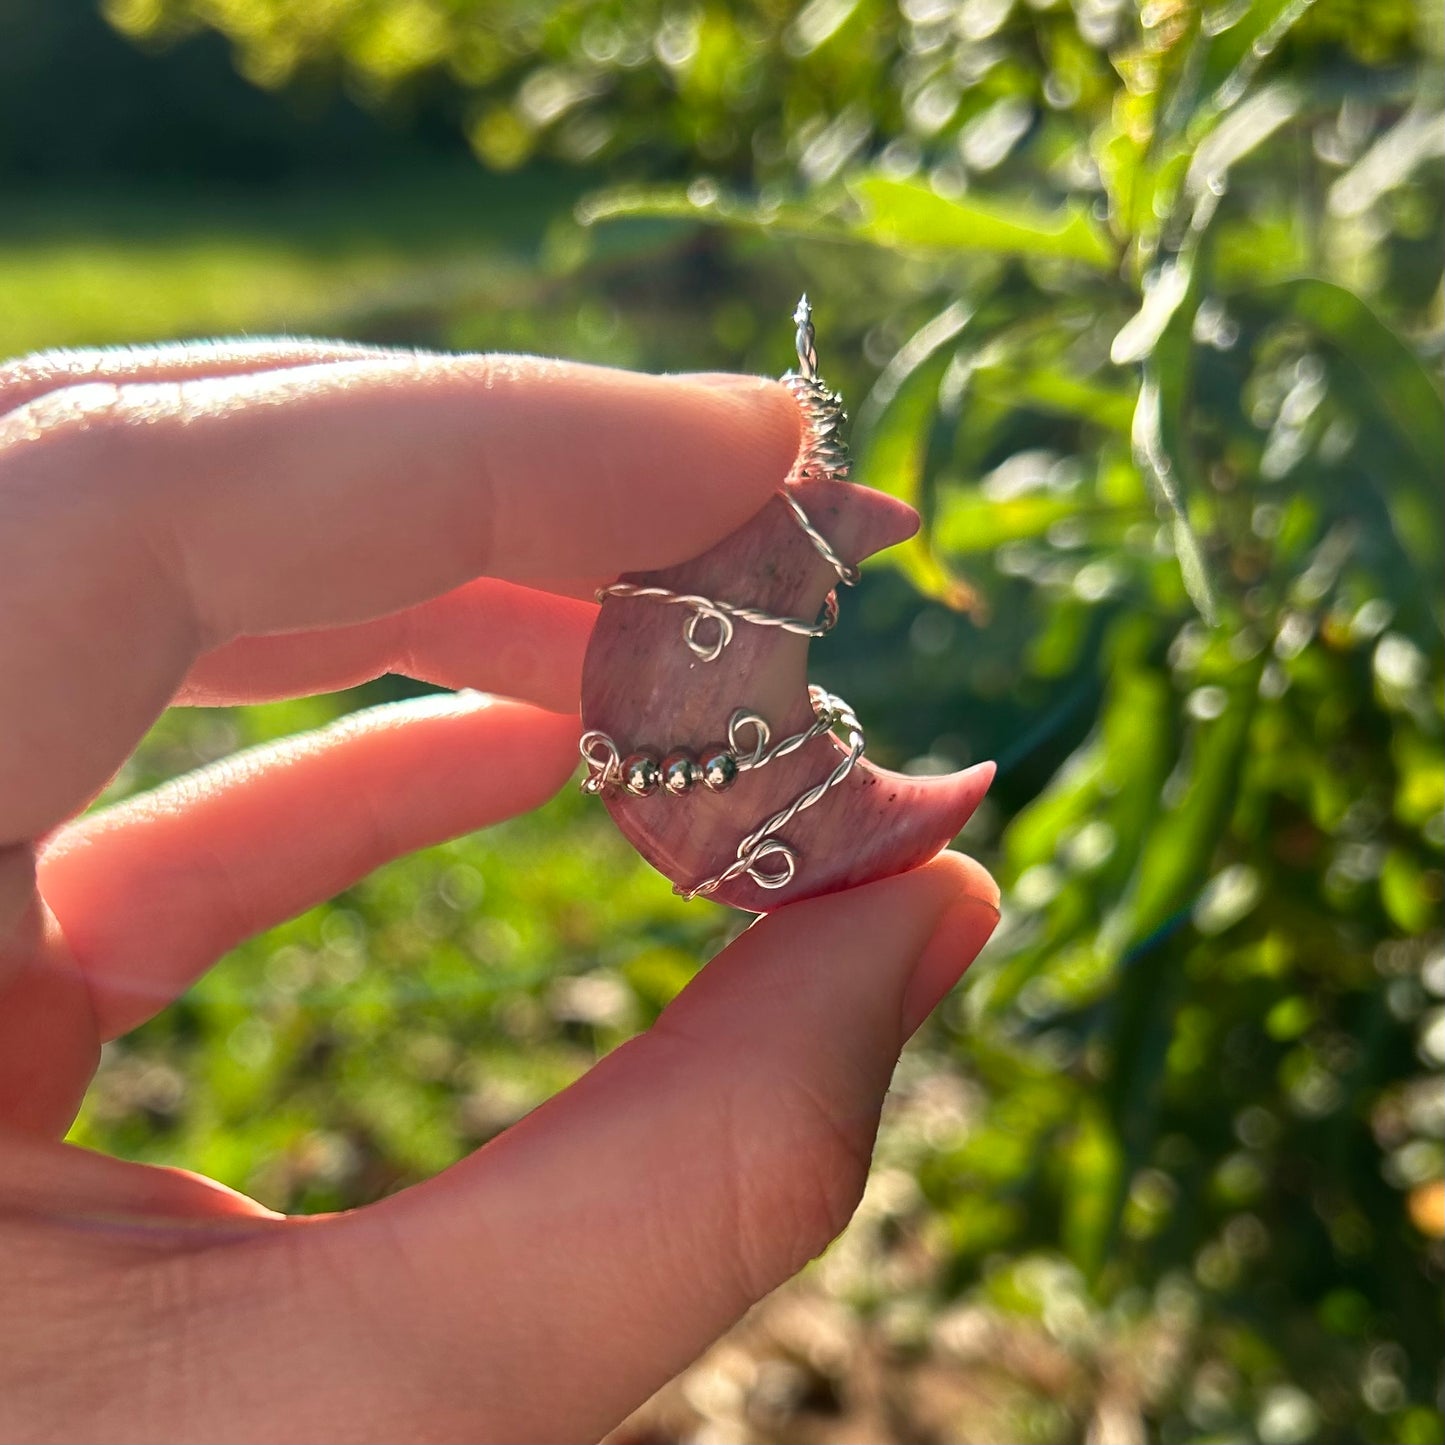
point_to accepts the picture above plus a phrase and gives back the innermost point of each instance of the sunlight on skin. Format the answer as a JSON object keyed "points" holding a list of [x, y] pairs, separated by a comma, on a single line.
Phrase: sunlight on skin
{"points": [[227, 528]]}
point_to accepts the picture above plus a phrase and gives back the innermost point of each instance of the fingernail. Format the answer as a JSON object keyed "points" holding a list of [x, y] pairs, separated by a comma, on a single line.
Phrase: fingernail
{"points": [[954, 944]]}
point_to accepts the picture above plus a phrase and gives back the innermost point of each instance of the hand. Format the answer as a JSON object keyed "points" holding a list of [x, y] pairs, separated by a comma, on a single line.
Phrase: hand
{"points": [[226, 524]]}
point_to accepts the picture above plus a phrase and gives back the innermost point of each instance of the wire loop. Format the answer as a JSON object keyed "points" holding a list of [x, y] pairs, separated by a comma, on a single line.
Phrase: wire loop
{"points": [[603, 771], [830, 712], [722, 615]]}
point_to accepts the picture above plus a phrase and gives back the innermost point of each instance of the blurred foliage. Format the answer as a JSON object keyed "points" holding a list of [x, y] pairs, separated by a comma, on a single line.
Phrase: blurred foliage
{"points": [[1145, 307], [78, 101]]}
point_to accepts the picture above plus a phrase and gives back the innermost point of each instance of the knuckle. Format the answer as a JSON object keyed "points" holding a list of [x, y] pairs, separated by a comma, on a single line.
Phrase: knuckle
{"points": [[60, 431], [24, 378], [20, 919], [796, 1198], [21, 378], [79, 484]]}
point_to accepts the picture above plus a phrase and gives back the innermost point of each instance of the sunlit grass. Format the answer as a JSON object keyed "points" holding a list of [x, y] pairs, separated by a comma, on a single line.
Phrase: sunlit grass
{"points": [[107, 268], [93, 293]]}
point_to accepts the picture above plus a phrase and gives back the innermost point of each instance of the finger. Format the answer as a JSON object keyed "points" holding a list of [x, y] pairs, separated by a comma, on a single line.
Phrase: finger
{"points": [[143, 525], [19, 906], [22, 918], [28, 377], [48, 1047], [620, 1228], [149, 893], [51, 1180], [494, 636]]}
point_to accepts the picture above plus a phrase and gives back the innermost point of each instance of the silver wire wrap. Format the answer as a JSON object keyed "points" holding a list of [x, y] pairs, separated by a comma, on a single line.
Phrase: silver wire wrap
{"points": [[723, 615], [847, 573], [602, 772], [830, 712], [604, 758], [824, 456], [825, 453]]}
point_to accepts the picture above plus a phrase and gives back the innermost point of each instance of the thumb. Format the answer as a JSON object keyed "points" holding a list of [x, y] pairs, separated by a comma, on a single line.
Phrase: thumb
{"points": [[598, 1246]]}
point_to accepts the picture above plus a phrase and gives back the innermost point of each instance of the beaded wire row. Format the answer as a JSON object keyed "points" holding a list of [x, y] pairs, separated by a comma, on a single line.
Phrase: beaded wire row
{"points": [[643, 773]]}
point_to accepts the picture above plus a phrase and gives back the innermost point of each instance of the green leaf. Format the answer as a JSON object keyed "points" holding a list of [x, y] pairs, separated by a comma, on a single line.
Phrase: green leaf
{"points": [[1176, 856], [1406, 894], [970, 523], [1163, 474], [704, 203], [1240, 131], [1096, 1183], [1417, 137], [1054, 390], [1174, 860], [892, 451], [1139, 735], [1109, 785], [909, 215], [921, 347], [895, 427], [1394, 374], [1380, 375], [1165, 291], [1239, 46]]}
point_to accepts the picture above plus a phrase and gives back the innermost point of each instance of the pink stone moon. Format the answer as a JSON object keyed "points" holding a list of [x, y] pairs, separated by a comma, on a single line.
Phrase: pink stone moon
{"points": [[645, 688]]}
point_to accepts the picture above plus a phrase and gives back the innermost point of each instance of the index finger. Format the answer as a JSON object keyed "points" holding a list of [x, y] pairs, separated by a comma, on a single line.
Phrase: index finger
{"points": [[141, 525]]}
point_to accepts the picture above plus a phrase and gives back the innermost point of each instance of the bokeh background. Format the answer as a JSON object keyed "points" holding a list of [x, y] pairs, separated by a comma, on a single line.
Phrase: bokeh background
{"points": [[1141, 305]]}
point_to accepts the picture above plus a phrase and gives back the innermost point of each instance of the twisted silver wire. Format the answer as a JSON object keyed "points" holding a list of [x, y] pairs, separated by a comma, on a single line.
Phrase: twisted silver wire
{"points": [[825, 453], [823, 456], [604, 758], [760, 754], [831, 712], [805, 338], [724, 614], [847, 572]]}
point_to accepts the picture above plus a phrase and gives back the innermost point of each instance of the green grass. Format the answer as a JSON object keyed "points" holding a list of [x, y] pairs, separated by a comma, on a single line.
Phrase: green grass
{"points": [[103, 268]]}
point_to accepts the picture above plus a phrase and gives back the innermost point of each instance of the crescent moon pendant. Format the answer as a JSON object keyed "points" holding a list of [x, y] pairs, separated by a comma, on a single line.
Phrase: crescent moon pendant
{"points": [[713, 756]]}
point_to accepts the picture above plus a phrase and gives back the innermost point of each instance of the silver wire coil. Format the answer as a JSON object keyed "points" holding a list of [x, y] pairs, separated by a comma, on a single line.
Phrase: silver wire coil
{"points": [[824, 456]]}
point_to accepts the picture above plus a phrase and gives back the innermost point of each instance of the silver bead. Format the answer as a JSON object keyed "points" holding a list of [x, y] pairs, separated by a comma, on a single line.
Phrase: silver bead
{"points": [[641, 774], [719, 768], [680, 772]]}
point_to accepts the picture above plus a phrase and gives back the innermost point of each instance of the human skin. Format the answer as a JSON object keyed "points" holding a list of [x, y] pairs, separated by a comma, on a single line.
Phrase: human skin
{"points": [[233, 523]]}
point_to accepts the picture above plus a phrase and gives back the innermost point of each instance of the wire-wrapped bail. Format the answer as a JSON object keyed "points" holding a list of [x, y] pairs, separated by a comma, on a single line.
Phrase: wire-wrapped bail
{"points": [[824, 454]]}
